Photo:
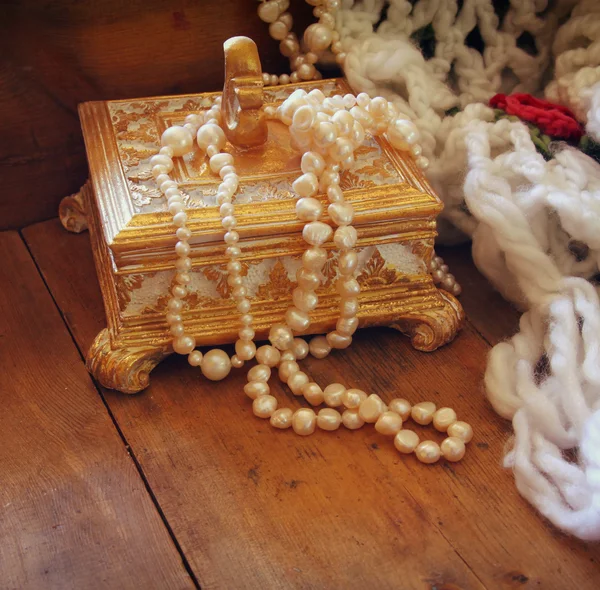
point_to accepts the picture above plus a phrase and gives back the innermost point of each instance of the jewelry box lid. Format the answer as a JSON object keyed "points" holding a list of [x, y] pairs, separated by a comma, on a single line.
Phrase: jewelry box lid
{"points": [[122, 135]]}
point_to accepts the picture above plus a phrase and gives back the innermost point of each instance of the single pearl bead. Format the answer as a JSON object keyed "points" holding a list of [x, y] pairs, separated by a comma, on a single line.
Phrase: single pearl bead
{"points": [[304, 300], [348, 287], [264, 406], [453, 448], [211, 134], [259, 373], [177, 329], [422, 413], [282, 418], [343, 121], [268, 355], [428, 452], [347, 326], [288, 355], [245, 350], [341, 149], [297, 320], [300, 348], [180, 219], [371, 408], [351, 420], [255, 389], [195, 358], [180, 140], [225, 170], [216, 365], [303, 118], [345, 237], [348, 307], [378, 107], [329, 419], [308, 280], [179, 291], [226, 209], [347, 262], [338, 340], [243, 306], [401, 406], [269, 11], [329, 178], [422, 162], [335, 194], [361, 115], [319, 347], [306, 185], [288, 47], [406, 441], [304, 421], [443, 418], [183, 264], [175, 305], [317, 37], [333, 393], [341, 213], [164, 161], [389, 424], [287, 369], [312, 162], [461, 430], [281, 336], [184, 344], [408, 129], [312, 393], [416, 150], [308, 209], [296, 381], [314, 258], [352, 398], [316, 233], [278, 30], [219, 161], [325, 134], [285, 17]]}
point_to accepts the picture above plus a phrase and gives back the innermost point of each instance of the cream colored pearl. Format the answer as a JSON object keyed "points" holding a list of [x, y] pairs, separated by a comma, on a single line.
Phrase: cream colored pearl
{"points": [[195, 358], [428, 452], [317, 233], [314, 258], [288, 355], [308, 209], [319, 347], [347, 326], [329, 419], [388, 423], [343, 121], [180, 140], [335, 194], [407, 129], [297, 381], [216, 365], [341, 149], [219, 161], [300, 348], [269, 11], [338, 340], [211, 134], [308, 280], [255, 389], [259, 373], [161, 160], [341, 213], [304, 421], [351, 420], [348, 307], [401, 406], [345, 237], [406, 441], [297, 320], [461, 430], [313, 394], [304, 300], [352, 398], [282, 418], [287, 369], [453, 448], [422, 413], [268, 355], [306, 185], [184, 344], [325, 134], [317, 37], [278, 30], [312, 162], [303, 118], [333, 393], [264, 406], [289, 46], [281, 336], [371, 408], [245, 350], [329, 178], [443, 418]]}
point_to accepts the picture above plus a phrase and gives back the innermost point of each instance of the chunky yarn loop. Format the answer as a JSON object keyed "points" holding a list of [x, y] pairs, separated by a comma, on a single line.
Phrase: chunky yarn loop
{"points": [[523, 213]]}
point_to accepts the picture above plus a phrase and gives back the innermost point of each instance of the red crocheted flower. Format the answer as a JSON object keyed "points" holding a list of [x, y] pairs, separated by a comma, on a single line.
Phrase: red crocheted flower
{"points": [[552, 119]]}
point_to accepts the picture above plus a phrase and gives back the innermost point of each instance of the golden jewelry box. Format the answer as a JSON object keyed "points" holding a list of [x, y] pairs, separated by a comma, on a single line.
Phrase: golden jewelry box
{"points": [[133, 237]]}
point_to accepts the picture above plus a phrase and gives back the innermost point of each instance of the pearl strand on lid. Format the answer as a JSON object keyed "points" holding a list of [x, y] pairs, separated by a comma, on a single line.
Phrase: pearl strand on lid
{"points": [[328, 131]]}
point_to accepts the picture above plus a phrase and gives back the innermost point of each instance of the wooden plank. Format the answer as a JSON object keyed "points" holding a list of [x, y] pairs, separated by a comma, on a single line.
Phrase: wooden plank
{"points": [[252, 506], [74, 511], [491, 315], [55, 54]]}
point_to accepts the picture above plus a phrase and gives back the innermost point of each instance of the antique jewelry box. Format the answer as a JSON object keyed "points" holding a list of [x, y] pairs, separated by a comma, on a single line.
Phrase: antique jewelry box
{"points": [[133, 239]]}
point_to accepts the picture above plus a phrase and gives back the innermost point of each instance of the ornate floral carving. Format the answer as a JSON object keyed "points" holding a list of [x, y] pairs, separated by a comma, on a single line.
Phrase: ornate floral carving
{"points": [[377, 272], [279, 284]]}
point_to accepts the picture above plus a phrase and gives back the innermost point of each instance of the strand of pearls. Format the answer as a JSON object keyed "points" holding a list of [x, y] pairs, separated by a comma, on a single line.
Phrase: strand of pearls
{"points": [[327, 130], [318, 37], [442, 276]]}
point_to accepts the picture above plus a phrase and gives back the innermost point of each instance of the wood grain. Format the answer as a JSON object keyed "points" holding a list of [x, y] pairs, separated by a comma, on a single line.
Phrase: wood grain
{"points": [[55, 54], [74, 512], [253, 507]]}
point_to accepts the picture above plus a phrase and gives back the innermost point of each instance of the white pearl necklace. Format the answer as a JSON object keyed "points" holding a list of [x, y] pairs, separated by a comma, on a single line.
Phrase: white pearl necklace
{"points": [[327, 131]]}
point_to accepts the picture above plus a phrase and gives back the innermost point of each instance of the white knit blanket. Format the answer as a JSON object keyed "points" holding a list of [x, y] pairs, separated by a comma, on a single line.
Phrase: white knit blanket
{"points": [[520, 210]]}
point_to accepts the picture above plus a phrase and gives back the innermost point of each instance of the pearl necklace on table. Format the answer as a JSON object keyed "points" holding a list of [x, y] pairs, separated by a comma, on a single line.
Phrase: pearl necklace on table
{"points": [[327, 131]]}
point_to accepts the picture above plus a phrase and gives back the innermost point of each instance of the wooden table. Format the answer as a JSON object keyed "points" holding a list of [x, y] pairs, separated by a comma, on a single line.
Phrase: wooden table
{"points": [[182, 487]]}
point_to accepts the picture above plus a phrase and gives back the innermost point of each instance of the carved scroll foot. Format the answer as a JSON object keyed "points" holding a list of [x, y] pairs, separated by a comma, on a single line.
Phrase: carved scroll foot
{"points": [[122, 367], [430, 329], [71, 212]]}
